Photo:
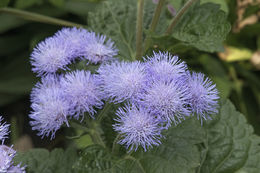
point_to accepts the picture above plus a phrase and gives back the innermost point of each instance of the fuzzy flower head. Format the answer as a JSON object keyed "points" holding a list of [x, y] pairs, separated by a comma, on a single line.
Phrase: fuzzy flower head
{"points": [[203, 96], [6, 156], [98, 49], [137, 127], [75, 37], [50, 55], [50, 108], [122, 80], [168, 100], [4, 130], [16, 169], [81, 90], [164, 67]]}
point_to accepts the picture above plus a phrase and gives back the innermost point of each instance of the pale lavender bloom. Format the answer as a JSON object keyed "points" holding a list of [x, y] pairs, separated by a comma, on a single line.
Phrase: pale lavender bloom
{"points": [[76, 38], [4, 130], [168, 99], [50, 55], [122, 80], [171, 9], [6, 156], [203, 96], [164, 67], [155, 1], [137, 128], [16, 169], [50, 108], [98, 49], [81, 90]]}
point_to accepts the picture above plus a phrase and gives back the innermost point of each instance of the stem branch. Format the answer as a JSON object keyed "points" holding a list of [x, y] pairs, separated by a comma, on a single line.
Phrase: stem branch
{"points": [[154, 23], [178, 16], [37, 17], [139, 29]]}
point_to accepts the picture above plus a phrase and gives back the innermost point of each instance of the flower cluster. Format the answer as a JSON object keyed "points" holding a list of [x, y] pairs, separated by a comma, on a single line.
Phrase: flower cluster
{"points": [[158, 92], [7, 153], [57, 52], [60, 96]]}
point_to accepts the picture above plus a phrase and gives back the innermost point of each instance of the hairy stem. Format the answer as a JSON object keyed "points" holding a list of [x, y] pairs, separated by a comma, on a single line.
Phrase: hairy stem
{"points": [[154, 23], [37, 17], [115, 146], [103, 112], [139, 29], [178, 16]]}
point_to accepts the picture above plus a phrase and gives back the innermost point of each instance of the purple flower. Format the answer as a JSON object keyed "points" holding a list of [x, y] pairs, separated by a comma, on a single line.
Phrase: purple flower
{"points": [[50, 108], [98, 49], [50, 55], [122, 80], [76, 38], [6, 157], [4, 130], [203, 96], [164, 67], [137, 127], [169, 100], [16, 169], [81, 90]]}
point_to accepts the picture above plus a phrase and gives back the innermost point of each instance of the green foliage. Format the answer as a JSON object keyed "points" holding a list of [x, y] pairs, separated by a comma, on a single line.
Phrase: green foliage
{"points": [[225, 144], [43, 161], [204, 27]]}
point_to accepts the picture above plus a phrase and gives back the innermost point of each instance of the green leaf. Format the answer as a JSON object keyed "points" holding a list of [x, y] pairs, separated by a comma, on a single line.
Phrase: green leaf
{"points": [[178, 152], [204, 27], [225, 144], [117, 20], [4, 3], [96, 159], [229, 143], [43, 161]]}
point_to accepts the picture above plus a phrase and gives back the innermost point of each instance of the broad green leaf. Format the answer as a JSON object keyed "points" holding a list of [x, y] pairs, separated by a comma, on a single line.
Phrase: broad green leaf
{"points": [[117, 20], [222, 3], [229, 142], [204, 27], [4, 3], [43, 161], [178, 152]]}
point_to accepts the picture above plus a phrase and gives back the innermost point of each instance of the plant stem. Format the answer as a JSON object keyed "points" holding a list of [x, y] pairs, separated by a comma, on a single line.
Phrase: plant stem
{"points": [[178, 16], [103, 112], [115, 146], [96, 138], [37, 17], [139, 29], [154, 23]]}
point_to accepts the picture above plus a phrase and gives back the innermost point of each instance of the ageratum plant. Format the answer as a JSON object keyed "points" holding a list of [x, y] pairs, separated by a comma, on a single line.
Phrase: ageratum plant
{"points": [[136, 105], [155, 93]]}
